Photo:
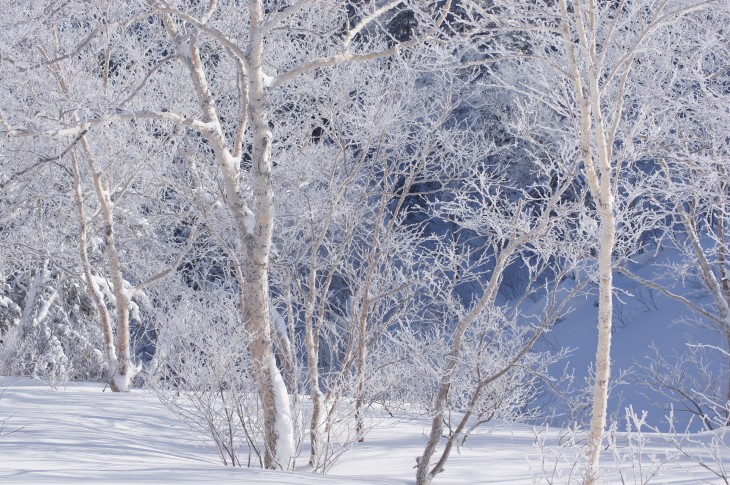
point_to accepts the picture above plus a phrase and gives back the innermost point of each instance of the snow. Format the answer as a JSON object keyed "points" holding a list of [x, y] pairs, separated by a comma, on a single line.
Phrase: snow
{"points": [[83, 434], [105, 287], [6, 302], [98, 355], [268, 80], [184, 48], [280, 327], [285, 446], [249, 221], [124, 382]]}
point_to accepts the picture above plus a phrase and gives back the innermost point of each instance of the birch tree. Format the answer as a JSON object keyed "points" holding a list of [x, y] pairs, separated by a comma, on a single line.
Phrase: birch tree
{"points": [[600, 79], [348, 264], [600, 58], [692, 193], [485, 319], [253, 52], [64, 89]]}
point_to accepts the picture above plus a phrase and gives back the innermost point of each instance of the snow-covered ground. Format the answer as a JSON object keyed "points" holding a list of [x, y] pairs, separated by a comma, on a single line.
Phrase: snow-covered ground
{"points": [[80, 434]]}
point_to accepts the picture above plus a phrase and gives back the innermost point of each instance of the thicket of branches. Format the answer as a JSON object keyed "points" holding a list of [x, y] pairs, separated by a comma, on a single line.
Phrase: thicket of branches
{"points": [[381, 206]]}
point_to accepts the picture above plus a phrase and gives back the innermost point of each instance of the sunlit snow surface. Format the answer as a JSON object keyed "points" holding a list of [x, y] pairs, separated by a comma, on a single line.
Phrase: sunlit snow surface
{"points": [[83, 435]]}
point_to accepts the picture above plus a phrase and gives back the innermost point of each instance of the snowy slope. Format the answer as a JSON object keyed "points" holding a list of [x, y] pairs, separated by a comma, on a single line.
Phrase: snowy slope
{"points": [[83, 435], [642, 319]]}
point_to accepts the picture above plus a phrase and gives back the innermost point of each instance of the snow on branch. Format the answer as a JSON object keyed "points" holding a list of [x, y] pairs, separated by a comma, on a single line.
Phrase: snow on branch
{"points": [[340, 59], [218, 35], [120, 115], [369, 19]]}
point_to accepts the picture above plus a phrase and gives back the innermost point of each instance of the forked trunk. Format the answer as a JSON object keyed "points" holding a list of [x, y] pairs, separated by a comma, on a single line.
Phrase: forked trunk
{"points": [[256, 229]]}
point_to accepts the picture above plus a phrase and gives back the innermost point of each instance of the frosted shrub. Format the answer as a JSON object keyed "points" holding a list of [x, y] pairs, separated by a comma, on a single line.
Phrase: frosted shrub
{"points": [[634, 460], [705, 450], [203, 374]]}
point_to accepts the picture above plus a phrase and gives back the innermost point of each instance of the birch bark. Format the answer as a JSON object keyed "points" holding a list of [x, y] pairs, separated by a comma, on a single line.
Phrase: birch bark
{"points": [[585, 69]]}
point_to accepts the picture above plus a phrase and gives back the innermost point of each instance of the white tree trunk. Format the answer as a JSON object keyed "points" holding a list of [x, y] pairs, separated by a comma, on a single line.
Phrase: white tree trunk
{"points": [[603, 351], [122, 367], [278, 426], [312, 344], [424, 475], [93, 289], [125, 370], [254, 227], [596, 153]]}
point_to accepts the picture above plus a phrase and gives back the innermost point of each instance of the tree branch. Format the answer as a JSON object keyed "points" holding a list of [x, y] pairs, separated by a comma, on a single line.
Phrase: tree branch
{"points": [[650, 284], [340, 59], [121, 115], [173, 267]]}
